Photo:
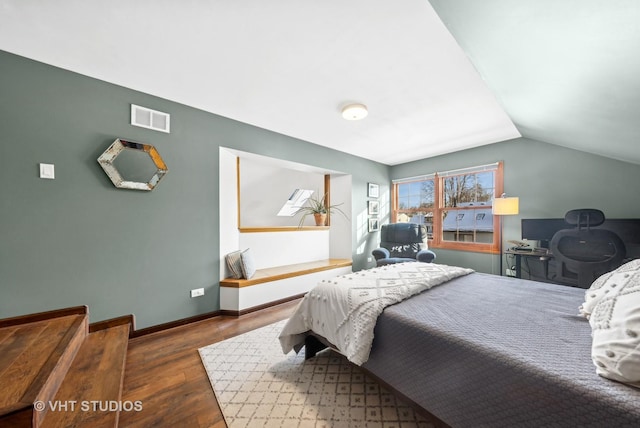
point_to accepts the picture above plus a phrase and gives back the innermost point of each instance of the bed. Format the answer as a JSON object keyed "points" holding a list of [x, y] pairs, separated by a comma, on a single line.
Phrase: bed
{"points": [[481, 350]]}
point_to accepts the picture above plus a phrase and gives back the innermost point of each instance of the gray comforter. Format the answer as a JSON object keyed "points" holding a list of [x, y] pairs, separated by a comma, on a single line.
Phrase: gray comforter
{"points": [[488, 351]]}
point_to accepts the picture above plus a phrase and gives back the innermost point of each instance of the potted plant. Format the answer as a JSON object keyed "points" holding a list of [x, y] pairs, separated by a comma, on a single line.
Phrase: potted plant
{"points": [[319, 209]]}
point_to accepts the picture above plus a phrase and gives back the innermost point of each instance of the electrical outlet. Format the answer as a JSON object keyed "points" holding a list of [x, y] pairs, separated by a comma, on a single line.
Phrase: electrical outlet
{"points": [[369, 259], [197, 292]]}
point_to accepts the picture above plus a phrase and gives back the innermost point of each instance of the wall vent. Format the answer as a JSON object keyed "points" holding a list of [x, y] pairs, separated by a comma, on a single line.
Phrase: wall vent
{"points": [[150, 119]]}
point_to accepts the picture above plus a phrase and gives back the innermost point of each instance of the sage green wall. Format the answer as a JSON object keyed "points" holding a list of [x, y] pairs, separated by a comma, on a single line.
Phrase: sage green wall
{"points": [[77, 240], [549, 180]]}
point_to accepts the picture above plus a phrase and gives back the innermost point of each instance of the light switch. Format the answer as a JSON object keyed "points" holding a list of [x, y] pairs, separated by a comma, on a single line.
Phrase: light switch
{"points": [[47, 170]]}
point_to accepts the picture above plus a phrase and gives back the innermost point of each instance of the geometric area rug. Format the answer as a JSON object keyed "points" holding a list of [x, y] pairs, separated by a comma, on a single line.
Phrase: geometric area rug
{"points": [[257, 385]]}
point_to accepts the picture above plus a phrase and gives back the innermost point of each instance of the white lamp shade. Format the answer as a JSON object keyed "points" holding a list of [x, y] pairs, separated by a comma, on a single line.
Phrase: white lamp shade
{"points": [[506, 206]]}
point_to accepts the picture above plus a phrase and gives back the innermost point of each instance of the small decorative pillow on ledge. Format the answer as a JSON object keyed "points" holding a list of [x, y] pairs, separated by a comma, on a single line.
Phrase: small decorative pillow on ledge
{"points": [[248, 263], [234, 263], [612, 306], [241, 264]]}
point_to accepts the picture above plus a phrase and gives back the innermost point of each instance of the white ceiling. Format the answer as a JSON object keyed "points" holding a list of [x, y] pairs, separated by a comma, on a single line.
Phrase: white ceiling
{"points": [[291, 65]]}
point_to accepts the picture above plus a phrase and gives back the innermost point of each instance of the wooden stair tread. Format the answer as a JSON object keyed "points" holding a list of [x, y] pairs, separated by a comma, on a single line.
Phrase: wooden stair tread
{"points": [[34, 358], [93, 381]]}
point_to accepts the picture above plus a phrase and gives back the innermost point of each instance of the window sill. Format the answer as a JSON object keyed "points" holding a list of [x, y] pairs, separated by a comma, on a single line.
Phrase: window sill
{"points": [[472, 248]]}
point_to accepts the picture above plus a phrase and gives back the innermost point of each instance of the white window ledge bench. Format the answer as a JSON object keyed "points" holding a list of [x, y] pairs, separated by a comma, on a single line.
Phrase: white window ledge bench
{"points": [[275, 285]]}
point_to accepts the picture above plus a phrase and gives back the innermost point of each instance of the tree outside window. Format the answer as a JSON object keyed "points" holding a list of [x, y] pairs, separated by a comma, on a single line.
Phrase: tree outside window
{"points": [[455, 206]]}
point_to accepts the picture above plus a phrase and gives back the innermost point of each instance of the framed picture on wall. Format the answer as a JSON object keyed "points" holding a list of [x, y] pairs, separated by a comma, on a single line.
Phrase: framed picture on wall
{"points": [[374, 224], [373, 190], [372, 207]]}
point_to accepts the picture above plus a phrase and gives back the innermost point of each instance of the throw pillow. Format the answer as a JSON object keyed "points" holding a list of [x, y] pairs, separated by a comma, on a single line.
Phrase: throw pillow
{"points": [[234, 263], [248, 263], [600, 287], [612, 306]]}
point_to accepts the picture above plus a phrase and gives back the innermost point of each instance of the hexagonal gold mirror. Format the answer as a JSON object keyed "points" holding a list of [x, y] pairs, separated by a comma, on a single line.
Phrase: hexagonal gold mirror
{"points": [[132, 165]]}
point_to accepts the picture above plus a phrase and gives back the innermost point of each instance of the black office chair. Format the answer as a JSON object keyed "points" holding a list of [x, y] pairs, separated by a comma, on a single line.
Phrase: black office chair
{"points": [[582, 254]]}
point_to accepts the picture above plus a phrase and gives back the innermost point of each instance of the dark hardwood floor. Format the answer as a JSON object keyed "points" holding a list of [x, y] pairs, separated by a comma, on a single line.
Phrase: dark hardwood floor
{"points": [[164, 371]]}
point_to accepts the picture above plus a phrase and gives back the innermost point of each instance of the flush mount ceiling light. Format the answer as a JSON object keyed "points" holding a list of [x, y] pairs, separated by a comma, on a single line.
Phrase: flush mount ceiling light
{"points": [[354, 111]]}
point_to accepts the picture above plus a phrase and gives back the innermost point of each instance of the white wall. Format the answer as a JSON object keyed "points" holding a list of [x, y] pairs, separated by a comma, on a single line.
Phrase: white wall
{"points": [[341, 228], [229, 233], [272, 249], [265, 185]]}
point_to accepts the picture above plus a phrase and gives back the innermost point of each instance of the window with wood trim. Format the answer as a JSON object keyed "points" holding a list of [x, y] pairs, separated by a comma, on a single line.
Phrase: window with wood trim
{"points": [[455, 206]]}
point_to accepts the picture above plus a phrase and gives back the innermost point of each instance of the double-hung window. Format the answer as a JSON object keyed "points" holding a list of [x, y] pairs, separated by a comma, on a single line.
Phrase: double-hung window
{"points": [[455, 206]]}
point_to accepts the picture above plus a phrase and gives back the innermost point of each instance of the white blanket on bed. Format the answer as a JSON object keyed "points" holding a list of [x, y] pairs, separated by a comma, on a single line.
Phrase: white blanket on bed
{"points": [[344, 309]]}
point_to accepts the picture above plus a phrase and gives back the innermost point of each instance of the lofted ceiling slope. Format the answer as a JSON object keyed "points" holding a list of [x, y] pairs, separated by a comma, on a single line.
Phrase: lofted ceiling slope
{"points": [[567, 72], [564, 72]]}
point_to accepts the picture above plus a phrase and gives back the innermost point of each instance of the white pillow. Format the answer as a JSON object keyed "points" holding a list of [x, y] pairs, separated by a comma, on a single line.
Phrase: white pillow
{"points": [[612, 305], [248, 263]]}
